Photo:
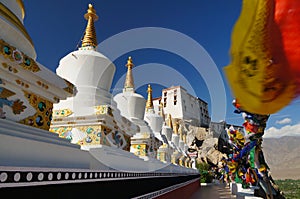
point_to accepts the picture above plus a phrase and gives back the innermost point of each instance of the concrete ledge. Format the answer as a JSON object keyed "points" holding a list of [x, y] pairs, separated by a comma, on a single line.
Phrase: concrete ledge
{"points": [[241, 193], [206, 184], [247, 197]]}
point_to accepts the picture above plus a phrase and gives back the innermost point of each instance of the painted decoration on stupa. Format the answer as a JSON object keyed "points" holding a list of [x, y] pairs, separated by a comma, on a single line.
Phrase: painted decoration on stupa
{"points": [[43, 115], [17, 56], [139, 149], [16, 105]]}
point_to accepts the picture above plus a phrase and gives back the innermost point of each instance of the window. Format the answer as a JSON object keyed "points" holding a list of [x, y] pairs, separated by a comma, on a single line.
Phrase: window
{"points": [[175, 99], [165, 100]]}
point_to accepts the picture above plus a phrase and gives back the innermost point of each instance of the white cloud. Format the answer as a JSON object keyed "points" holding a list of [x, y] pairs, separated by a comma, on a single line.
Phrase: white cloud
{"points": [[284, 121], [288, 130]]}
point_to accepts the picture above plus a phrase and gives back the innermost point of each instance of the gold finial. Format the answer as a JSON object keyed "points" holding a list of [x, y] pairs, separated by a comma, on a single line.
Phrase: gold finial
{"points": [[21, 5], [90, 38], [149, 103], [129, 77], [129, 63], [170, 121], [184, 138]]}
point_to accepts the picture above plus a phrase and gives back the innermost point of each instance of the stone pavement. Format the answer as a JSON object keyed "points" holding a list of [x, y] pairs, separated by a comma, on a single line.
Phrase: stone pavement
{"points": [[223, 191], [213, 191]]}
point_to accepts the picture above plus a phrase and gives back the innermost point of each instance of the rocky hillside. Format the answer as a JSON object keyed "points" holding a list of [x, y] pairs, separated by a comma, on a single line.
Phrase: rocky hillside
{"points": [[207, 147], [281, 154]]}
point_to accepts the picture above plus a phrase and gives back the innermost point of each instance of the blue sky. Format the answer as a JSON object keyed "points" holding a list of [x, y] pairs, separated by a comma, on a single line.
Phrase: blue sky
{"points": [[56, 28]]}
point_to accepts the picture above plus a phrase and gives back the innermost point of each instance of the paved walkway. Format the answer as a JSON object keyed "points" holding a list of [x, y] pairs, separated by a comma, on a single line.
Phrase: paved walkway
{"points": [[213, 191]]}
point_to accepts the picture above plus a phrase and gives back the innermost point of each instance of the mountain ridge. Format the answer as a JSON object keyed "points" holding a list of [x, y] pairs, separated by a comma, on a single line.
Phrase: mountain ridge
{"points": [[283, 156]]}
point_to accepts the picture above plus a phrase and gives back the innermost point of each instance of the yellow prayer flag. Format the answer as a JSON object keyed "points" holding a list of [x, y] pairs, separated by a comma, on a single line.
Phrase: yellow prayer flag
{"points": [[259, 74]]}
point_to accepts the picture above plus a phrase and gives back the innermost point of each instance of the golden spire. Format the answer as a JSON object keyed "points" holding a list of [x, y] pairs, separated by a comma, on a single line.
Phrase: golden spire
{"points": [[90, 38], [175, 127], [184, 138], [129, 77], [170, 121], [162, 114], [180, 132], [149, 103]]}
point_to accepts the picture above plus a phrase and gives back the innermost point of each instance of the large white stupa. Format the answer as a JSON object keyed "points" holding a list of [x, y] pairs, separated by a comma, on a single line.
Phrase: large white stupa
{"points": [[89, 70], [91, 117]]}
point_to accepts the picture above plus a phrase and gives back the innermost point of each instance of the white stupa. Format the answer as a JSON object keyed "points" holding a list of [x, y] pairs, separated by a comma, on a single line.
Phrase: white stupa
{"points": [[154, 120], [130, 103], [132, 106], [90, 118], [89, 70]]}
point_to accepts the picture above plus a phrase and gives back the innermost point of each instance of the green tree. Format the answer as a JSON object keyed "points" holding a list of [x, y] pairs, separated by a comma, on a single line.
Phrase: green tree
{"points": [[205, 174]]}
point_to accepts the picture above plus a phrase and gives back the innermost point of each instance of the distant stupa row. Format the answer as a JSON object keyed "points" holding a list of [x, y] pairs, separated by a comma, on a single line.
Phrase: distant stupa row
{"points": [[93, 117]]}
